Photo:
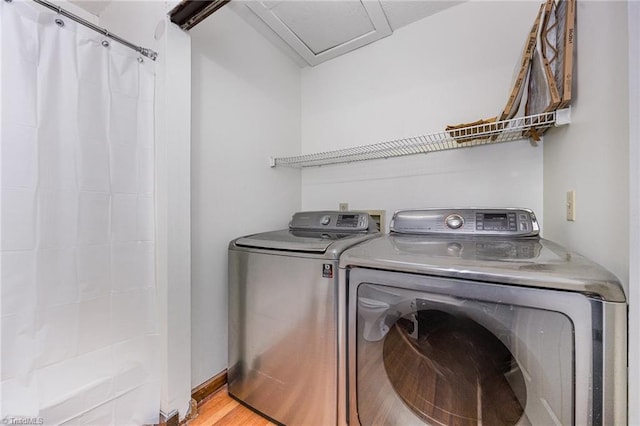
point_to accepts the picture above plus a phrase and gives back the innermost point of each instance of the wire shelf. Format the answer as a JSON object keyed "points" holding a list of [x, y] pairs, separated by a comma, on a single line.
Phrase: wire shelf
{"points": [[528, 127]]}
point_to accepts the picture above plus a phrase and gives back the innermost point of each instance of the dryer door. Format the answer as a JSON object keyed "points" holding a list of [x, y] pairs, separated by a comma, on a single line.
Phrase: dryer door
{"points": [[441, 351]]}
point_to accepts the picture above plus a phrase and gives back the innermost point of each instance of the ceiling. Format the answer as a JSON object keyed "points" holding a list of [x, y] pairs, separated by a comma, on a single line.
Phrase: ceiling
{"points": [[94, 7], [314, 31]]}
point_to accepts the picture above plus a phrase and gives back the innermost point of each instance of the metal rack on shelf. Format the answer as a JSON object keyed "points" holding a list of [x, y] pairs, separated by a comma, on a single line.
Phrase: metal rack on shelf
{"points": [[483, 134]]}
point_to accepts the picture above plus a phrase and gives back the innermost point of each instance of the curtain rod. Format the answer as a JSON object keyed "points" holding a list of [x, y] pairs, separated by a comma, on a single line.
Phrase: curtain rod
{"points": [[151, 54]]}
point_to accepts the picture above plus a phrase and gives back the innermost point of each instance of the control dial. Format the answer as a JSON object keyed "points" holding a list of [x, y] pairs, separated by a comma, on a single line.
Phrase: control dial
{"points": [[325, 220], [454, 221]]}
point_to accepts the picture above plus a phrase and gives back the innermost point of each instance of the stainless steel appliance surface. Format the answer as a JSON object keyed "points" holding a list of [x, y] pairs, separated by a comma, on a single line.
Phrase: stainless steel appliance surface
{"points": [[467, 316], [283, 316]]}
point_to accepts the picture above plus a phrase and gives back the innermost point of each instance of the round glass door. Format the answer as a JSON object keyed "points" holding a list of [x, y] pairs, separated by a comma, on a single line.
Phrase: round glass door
{"points": [[448, 369], [426, 358]]}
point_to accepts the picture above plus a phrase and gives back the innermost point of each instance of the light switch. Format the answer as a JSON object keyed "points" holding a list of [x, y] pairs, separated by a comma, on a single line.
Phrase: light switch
{"points": [[571, 205]]}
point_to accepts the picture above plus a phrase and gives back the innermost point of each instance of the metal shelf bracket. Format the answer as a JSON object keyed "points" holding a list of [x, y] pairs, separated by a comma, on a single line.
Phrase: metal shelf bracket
{"points": [[563, 116]]}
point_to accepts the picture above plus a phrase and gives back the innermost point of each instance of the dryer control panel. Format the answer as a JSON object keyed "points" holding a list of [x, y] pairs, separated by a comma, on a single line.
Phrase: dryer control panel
{"points": [[331, 221], [506, 222]]}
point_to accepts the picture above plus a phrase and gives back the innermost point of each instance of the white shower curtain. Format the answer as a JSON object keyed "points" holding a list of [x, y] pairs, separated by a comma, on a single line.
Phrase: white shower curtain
{"points": [[79, 340]]}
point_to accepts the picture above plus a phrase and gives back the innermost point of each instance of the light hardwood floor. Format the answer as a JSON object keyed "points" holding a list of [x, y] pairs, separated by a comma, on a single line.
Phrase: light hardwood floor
{"points": [[220, 409]]}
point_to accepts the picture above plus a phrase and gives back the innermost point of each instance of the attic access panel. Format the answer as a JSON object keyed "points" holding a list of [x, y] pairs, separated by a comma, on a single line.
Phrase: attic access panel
{"points": [[322, 30]]}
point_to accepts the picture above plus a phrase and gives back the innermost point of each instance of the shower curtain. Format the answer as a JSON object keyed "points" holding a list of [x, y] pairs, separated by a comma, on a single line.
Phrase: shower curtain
{"points": [[79, 339]]}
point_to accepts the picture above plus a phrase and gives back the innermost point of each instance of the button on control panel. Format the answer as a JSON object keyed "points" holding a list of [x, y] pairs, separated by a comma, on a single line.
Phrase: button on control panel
{"points": [[454, 221]]}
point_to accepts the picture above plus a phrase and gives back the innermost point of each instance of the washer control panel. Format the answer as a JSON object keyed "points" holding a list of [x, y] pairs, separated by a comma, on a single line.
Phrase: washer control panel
{"points": [[466, 221], [330, 221]]}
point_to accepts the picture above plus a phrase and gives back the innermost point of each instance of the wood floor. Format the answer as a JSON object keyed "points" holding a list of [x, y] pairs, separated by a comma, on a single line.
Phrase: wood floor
{"points": [[220, 409]]}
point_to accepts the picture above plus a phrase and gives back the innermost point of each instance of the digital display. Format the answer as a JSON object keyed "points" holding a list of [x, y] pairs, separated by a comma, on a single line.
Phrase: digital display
{"points": [[495, 219], [496, 222], [348, 220]]}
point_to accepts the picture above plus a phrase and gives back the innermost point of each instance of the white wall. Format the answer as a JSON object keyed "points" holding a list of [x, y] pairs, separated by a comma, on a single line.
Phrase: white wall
{"points": [[137, 22], [591, 155], [76, 10], [453, 67], [173, 180], [246, 107]]}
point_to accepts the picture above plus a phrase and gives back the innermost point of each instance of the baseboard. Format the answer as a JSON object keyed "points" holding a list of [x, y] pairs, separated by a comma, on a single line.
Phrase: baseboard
{"points": [[203, 391], [171, 419]]}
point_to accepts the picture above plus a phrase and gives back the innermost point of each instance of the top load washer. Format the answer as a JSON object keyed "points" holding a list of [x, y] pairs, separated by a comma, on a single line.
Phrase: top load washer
{"points": [[283, 313], [466, 316]]}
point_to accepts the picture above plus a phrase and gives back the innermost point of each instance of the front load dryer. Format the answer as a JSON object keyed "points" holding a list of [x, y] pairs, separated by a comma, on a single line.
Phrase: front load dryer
{"points": [[467, 317], [284, 306]]}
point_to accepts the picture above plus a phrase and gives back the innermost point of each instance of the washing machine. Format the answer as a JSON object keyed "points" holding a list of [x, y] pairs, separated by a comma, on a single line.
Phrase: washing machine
{"points": [[468, 317], [284, 299]]}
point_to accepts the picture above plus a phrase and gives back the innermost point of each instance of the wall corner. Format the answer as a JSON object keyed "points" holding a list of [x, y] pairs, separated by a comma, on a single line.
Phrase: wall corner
{"points": [[173, 222]]}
